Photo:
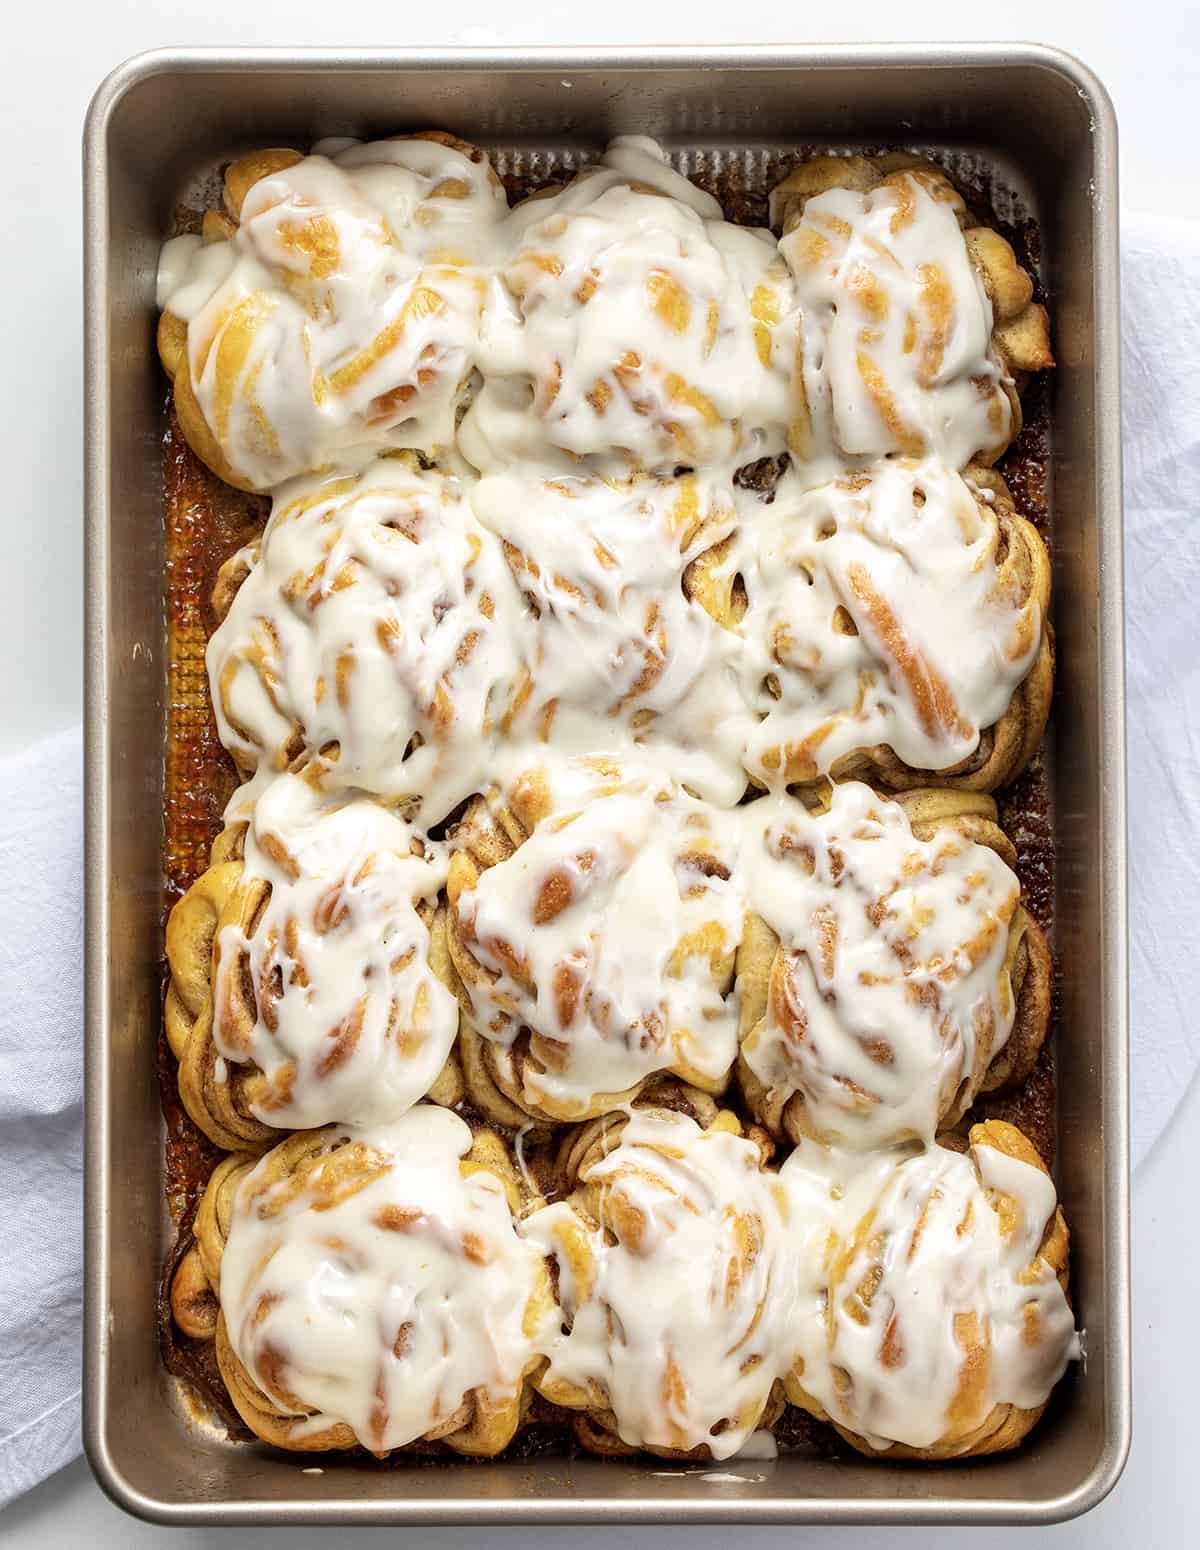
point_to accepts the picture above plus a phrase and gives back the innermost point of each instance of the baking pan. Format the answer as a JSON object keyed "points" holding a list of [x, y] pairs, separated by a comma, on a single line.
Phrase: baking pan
{"points": [[1044, 126]]}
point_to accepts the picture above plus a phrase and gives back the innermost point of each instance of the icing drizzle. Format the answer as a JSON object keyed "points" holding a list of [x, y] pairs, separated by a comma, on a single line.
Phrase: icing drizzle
{"points": [[896, 331], [877, 614], [387, 1288], [888, 993], [673, 1282], [606, 938], [376, 633], [326, 983], [922, 1300], [344, 310]]}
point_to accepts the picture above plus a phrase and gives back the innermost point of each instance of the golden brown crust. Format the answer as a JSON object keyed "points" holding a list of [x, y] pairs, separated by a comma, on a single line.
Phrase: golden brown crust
{"points": [[172, 349], [482, 1426], [595, 1206], [221, 1096], [1028, 968], [1005, 748], [1005, 1426], [491, 831], [1021, 331]]}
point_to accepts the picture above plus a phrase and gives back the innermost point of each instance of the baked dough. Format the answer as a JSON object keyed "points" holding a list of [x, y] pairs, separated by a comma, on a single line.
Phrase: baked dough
{"points": [[368, 1287], [310, 972], [918, 324], [333, 304]]}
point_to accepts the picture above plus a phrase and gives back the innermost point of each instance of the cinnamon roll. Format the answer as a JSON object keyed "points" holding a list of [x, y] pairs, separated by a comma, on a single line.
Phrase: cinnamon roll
{"points": [[894, 628], [672, 1284], [633, 326], [619, 652], [334, 303], [931, 1319], [888, 973], [371, 632], [310, 972], [367, 1287], [917, 324], [593, 926]]}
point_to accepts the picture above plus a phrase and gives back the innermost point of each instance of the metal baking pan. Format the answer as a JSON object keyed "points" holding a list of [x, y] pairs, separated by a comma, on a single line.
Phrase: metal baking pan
{"points": [[1045, 125]]}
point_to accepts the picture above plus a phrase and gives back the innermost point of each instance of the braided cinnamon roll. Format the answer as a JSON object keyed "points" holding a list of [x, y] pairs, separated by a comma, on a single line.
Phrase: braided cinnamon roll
{"points": [[593, 925], [931, 1320], [619, 651], [673, 1284], [367, 1286], [371, 631], [888, 974], [917, 323], [894, 628], [310, 972], [634, 327], [334, 303]]}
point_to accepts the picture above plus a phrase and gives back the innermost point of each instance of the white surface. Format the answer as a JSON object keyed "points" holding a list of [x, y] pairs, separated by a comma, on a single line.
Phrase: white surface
{"points": [[1150, 60], [41, 1106], [1160, 262]]}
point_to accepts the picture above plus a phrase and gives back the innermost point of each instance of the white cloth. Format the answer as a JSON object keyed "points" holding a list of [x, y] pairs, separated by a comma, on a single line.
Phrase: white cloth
{"points": [[41, 1104], [1160, 335], [40, 874]]}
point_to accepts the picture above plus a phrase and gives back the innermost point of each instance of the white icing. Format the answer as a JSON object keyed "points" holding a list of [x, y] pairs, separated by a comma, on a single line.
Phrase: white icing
{"points": [[619, 328], [894, 1255], [387, 1307], [759, 1447], [896, 329], [619, 653], [640, 159], [378, 623], [174, 263], [612, 910], [344, 311], [352, 1024], [682, 1325], [936, 643], [888, 989]]}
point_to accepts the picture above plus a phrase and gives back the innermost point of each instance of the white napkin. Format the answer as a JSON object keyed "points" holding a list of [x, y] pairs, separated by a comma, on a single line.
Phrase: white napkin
{"points": [[1160, 337], [41, 1102], [40, 874]]}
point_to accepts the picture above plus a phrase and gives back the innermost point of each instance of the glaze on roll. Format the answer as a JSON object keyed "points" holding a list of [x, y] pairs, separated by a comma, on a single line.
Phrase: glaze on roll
{"points": [[630, 325], [931, 1318], [373, 1289], [593, 924], [879, 968], [620, 655], [673, 1282], [333, 306], [373, 631], [886, 622], [900, 297], [310, 971]]}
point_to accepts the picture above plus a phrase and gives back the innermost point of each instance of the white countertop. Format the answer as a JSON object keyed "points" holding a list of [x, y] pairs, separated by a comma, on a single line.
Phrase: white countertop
{"points": [[1148, 56]]}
